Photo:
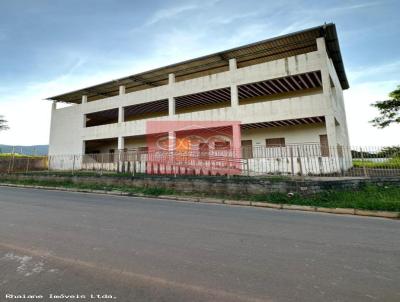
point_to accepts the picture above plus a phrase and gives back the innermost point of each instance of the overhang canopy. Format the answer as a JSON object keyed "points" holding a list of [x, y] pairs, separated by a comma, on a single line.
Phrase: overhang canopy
{"points": [[267, 50]]}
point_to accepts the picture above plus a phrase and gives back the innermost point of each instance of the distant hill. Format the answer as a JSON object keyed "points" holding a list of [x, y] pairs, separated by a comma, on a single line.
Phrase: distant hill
{"points": [[27, 150]]}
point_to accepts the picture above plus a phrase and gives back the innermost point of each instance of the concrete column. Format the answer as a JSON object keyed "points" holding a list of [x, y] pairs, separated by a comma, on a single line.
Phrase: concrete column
{"points": [[236, 137], [171, 78], [234, 95], [84, 99], [171, 141], [232, 64], [171, 99], [54, 106], [83, 147], [121, 142], [171, 106], [326, 84], [121, 115], [234, 88], [122, 89], [331, 130]]}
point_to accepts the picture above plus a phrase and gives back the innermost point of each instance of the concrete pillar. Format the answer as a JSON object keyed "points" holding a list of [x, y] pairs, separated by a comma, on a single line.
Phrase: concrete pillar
{"points": [[234, 95], [236, 137], [331, 130], [121, 142], [326, 83], [84, 99], [171, 99], [321, 46], [171, 78], [232, 64], [171, 106], [171, 141], [234, 88], [122, 89], [54, 106], [121, 115]]}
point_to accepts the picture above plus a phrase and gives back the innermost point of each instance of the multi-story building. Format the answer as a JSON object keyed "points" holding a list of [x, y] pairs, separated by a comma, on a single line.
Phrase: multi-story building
{"points": [[283, 91]]}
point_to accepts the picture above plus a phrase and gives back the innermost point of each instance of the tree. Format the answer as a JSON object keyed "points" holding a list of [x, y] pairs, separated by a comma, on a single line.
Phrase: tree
{"points": [[3, 123], [389, 110]]}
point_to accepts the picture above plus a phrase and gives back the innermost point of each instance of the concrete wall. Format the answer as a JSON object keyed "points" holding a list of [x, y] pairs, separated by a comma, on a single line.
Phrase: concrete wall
{"points": [[221, 186], [293, 134]]}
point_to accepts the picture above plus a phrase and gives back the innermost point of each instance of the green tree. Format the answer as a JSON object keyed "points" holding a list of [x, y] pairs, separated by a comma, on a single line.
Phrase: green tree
{"points": [[389, 110], [3, 123]]}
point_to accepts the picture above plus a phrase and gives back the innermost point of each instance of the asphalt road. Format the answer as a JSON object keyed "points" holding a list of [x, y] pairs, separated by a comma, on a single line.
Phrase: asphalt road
{"points": [[134, 249]]}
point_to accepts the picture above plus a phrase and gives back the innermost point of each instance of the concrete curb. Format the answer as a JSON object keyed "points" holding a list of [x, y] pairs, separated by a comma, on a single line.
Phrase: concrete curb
{"points": [[345, 211]]}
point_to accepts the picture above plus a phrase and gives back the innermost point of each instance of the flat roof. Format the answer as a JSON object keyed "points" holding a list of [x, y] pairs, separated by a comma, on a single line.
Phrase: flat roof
{"points": [[266, 50]]}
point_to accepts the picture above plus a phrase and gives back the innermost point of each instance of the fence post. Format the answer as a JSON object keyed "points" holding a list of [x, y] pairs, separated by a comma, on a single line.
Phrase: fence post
{"points": [[291, 160], [73, 165], [247, 167], [12, 160], [9, 165], [27, 165], [102, 162], [363, 164], [299, 162]]}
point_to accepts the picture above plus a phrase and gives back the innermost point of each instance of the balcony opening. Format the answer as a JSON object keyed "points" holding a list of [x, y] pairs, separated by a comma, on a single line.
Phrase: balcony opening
{"points": [[108, 145], [146, 110], [102, 117], [279, 88], [213, 99]]}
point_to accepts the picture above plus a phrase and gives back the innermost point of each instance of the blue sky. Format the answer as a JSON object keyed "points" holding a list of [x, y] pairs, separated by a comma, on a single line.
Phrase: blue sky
{"points": [[54, 46]]}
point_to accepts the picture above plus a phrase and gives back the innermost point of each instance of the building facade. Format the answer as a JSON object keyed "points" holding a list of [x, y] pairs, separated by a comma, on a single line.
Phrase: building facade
{"points": [[283, 91]]}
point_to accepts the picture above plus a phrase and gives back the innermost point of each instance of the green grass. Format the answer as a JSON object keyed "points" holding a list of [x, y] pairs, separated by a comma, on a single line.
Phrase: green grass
{"points": [[393, 163], [370, 197], [70, 184], [17, 155]]}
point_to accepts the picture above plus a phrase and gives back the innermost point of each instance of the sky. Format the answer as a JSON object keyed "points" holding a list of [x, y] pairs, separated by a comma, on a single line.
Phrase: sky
{"points": [[48, 47]]}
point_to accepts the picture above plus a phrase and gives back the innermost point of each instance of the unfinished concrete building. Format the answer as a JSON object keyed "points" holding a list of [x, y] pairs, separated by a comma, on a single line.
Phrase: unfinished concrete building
{"points": [[284, 91]]}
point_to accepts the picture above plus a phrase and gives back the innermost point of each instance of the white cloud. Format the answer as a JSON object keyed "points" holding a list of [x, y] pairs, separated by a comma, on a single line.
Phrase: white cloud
{"points": [[168, 13]]}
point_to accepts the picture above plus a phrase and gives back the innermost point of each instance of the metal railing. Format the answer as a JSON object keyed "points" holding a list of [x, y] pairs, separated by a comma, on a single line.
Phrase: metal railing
{"points": [[298, 160]]}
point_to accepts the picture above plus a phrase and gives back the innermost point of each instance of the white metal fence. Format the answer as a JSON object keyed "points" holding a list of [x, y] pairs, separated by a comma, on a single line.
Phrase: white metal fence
{"points": [[290, 160]]}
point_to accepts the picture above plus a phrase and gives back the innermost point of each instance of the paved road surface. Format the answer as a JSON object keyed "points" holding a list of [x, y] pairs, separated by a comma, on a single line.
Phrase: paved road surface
{"points": [[135, 249]]}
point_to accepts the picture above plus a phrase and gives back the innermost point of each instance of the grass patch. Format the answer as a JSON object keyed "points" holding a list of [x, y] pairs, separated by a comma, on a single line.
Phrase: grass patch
{"points": [[393, 163], [17, 155], [70, 184], [370, 197]]}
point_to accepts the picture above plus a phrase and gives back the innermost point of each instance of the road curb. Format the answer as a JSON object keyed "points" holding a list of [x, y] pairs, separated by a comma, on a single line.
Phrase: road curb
{"points": [[343, 211]]}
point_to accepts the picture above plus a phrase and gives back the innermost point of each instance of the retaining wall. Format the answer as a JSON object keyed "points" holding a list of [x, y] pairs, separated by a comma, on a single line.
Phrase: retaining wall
{"points": [[215, 185]]}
